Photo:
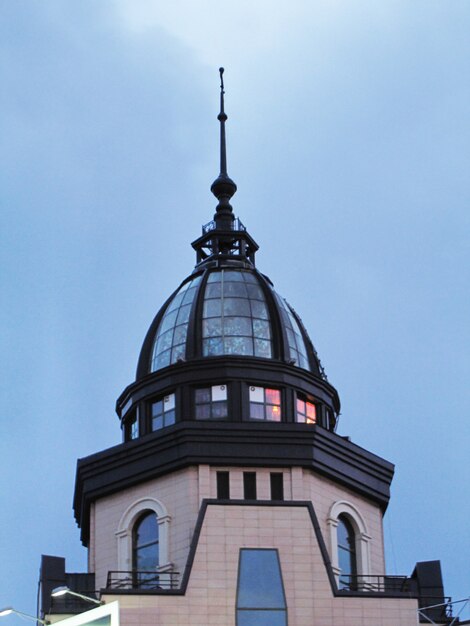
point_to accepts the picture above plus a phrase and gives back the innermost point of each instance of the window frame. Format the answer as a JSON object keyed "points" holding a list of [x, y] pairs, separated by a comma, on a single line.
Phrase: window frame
{"points": [[162, 398], [240, 605], [212, 403], [253, 388], [362, 541], [350, 551], [136, 580], [126, 525], [132, 430], [307, 400]]}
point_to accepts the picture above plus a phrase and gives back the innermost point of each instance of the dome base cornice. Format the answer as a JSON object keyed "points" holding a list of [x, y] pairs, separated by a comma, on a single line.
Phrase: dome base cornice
{"points": [[241, 445]]}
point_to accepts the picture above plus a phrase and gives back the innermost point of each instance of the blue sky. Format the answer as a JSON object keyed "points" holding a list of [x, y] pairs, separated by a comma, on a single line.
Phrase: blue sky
{"points": [[348, 138]]}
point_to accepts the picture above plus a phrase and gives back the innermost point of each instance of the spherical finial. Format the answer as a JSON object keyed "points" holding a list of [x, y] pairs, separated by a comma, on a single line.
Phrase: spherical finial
{"points": [[221, 70]]}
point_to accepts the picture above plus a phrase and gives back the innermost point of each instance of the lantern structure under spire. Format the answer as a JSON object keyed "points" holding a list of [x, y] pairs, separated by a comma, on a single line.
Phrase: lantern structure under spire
{"points": [[225, 236]]}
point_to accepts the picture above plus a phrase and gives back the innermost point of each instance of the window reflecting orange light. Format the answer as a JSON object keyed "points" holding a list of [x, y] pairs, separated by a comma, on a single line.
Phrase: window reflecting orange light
{"points": [[311, 412], [306, 412], [273, 396]]}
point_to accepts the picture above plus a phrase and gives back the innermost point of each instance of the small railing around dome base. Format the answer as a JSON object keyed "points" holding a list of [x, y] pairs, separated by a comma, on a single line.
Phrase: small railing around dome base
{"points": [[142, 580], [236, 225], [370, 583]]}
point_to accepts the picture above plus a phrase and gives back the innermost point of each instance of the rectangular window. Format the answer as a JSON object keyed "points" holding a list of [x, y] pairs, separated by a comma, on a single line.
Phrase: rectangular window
{"points": [[163, 412], [223, 485], [265, 404], [134, 427], [277, 486], [249, 485], [211, 402], [131, 429], [306, 411], [261, 600]]}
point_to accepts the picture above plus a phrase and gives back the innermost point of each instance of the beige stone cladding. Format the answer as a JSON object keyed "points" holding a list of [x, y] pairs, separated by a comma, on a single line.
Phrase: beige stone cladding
{"points": [[181, 493], [210, 597], [177, 492], [302, 484], [324, 493]]}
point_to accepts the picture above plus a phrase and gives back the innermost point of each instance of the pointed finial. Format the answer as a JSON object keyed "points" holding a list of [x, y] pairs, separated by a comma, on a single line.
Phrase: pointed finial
{"points": [[223, 187], [222, 119]]}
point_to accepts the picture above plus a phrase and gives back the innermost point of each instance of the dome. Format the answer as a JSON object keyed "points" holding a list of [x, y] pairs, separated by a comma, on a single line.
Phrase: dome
{"points": [[226, 352], [226, 311]]}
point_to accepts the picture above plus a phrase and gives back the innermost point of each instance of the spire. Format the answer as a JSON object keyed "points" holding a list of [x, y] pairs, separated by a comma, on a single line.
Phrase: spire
{"points": [[223, 187], [224, 237]]}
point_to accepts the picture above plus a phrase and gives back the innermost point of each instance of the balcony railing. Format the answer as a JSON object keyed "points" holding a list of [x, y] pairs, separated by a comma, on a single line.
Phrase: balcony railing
{"points": [[142, 580], [369, 583], [236, 225]]}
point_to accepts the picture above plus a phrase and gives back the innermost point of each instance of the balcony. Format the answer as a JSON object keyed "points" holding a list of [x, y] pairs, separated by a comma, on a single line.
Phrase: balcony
{"points": [[142, 581], [432, 608], [368, 583]]}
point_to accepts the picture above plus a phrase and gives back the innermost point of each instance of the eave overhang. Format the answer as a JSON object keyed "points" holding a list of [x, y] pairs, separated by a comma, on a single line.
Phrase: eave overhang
{"points": [[244, 444]]}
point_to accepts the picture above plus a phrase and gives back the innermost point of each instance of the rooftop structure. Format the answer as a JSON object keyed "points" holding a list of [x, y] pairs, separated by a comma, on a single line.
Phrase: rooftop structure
{"points": [[232, 499]]}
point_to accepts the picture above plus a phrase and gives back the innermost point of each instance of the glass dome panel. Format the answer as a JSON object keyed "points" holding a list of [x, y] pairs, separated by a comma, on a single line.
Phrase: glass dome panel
{"points": [[235, 316], [170, 340], [297, 347]]}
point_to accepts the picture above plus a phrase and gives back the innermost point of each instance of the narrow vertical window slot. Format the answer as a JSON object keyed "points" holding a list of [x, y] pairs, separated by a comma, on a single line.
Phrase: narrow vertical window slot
{"points": [[223, 485], [132, 425], [249, 485], [277, 486]]}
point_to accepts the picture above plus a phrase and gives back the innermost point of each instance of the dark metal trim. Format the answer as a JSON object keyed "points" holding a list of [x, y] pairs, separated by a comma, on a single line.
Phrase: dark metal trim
{"points": [[227, 368], [239, 444]]}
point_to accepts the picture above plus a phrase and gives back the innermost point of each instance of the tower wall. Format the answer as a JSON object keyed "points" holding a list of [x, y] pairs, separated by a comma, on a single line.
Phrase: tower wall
{"points": [[210, 596], [181, 494]]}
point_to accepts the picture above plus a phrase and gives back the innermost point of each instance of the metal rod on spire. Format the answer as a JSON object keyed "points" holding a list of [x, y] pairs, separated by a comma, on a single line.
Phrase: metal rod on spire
{"points": [[222, 117], [223, 186]]}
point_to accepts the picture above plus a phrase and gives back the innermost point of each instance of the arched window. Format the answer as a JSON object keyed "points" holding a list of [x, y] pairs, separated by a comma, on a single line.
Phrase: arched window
{"points": [[347, 560], [145, 550], [349, 545], [143, 532]]}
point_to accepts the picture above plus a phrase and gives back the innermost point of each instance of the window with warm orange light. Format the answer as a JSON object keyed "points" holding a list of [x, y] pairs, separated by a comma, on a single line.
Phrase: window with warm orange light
{"points": [[306, 411], [265, 404]]}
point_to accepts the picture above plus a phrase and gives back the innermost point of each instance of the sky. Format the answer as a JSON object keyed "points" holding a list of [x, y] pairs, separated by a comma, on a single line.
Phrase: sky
{"points": [[348, 137]]}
